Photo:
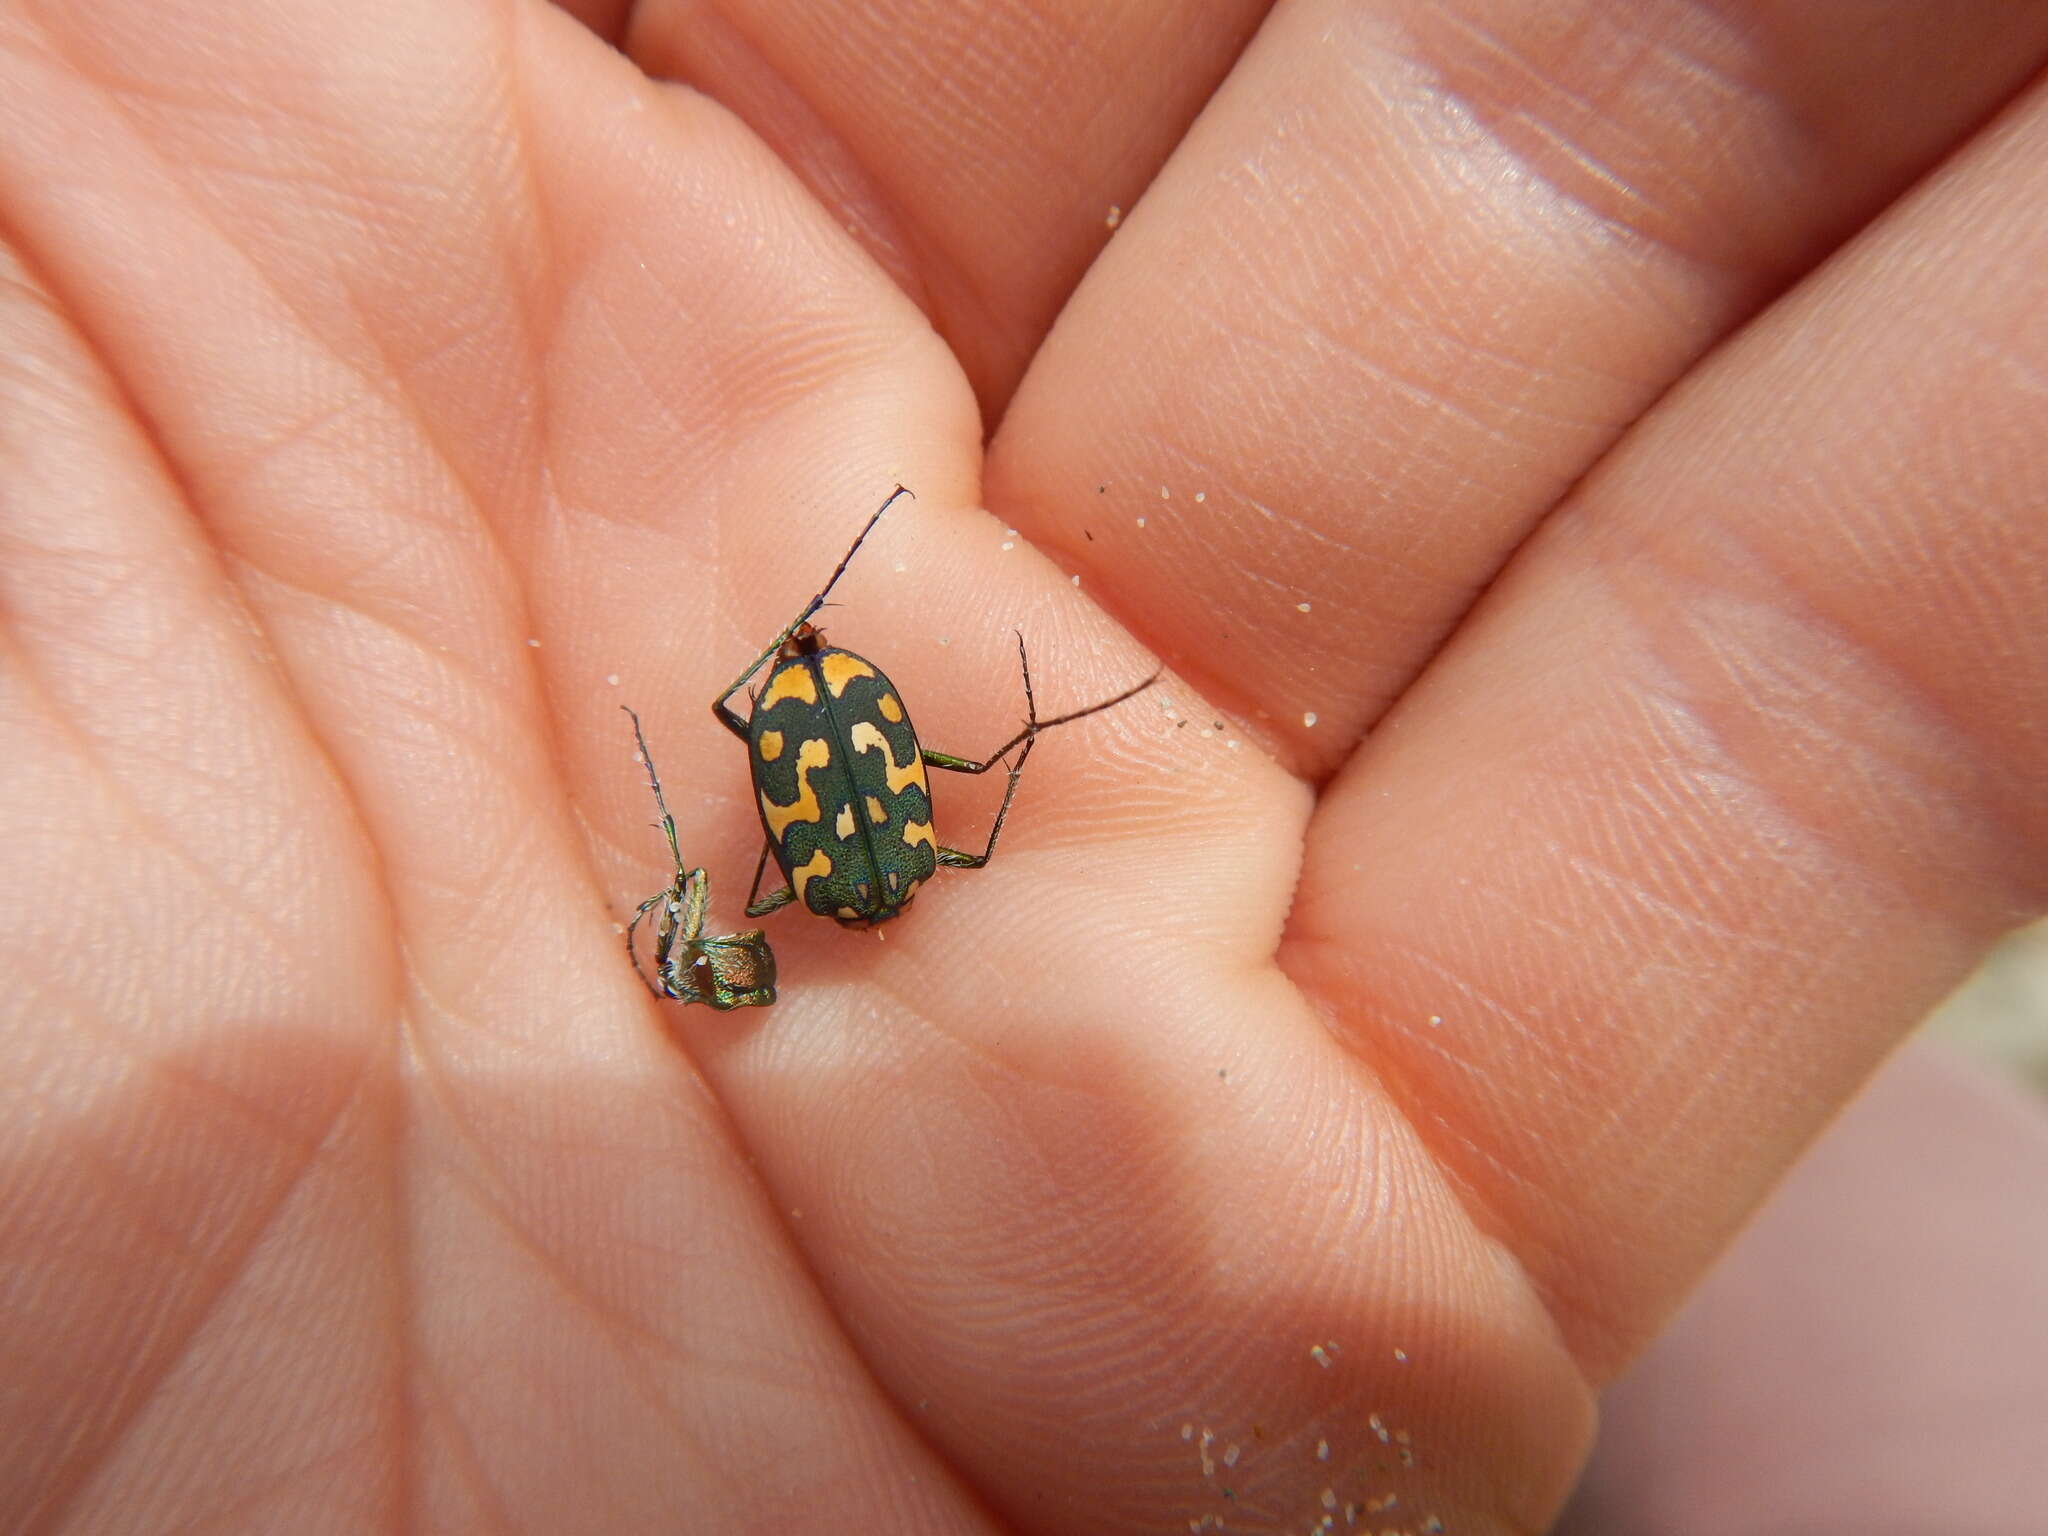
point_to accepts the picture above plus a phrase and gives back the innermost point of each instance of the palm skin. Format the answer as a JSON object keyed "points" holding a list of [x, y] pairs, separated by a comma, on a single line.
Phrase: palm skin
{"points": [[1286, 1109]]}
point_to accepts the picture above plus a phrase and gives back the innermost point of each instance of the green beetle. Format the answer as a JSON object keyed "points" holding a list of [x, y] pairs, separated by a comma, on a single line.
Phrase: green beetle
{"points": [[839, 774], [722, 970]]}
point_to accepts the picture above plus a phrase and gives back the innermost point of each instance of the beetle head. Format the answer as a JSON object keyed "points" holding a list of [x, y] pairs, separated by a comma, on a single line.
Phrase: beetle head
{"points": [[804, 640]]}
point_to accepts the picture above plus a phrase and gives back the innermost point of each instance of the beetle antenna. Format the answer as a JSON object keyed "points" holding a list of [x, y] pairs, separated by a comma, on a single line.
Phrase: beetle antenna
{"points": [[726, 717], [845, 560]]}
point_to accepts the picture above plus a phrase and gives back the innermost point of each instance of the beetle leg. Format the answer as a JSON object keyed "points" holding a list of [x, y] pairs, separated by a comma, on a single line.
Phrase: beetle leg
{"points": [[722, 709], [953, 858], [1034, 726], [1028, 736], [665, 928], [661, 943], [759, 905], [691, 903], [774, 901], [953, 764]]}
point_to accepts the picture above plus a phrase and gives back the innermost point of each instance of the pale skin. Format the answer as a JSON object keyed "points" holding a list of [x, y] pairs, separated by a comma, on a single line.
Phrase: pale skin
{"points": [[349, 1180]]}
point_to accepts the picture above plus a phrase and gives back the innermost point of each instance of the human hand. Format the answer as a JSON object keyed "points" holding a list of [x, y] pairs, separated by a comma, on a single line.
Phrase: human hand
{"points": [[1288, 1108]]}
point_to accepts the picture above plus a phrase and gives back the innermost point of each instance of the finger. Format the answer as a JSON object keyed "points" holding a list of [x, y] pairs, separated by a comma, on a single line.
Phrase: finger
{"points": [[285, 424], [1913, 1237], [607, 18], [981, 153], [331, 300], [156, 927], [1736, 774], [1411, 273]]}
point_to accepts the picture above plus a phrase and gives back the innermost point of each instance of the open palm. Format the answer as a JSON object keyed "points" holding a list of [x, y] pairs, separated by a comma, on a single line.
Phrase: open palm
{"points": [[1292, 1122]]}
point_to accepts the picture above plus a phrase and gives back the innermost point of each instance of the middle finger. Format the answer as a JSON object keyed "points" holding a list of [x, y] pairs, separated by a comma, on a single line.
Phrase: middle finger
{"points": [[1412, 272]]}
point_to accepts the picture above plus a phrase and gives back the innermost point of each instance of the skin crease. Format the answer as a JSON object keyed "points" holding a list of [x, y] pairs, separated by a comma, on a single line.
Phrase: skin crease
{"points": [[1627, 414]]}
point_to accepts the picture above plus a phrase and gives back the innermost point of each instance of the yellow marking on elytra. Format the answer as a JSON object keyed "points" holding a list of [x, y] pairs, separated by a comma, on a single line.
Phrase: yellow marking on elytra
{"points": [[814, 753], [894, 879], [820, 864], [847, 914], [844, 825], [867, 734], [770, 746], [891, 710], [791, 682], [875, 812], [840, 669], [916, 832]]}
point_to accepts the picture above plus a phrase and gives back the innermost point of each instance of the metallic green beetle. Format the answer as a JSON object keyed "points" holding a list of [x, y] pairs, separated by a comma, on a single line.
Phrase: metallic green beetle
{"points": [[723, 970], [839, 775]]}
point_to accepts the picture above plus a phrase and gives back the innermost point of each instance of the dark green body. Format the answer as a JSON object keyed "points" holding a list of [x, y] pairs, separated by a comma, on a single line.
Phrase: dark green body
{"points": [[840, 785]]}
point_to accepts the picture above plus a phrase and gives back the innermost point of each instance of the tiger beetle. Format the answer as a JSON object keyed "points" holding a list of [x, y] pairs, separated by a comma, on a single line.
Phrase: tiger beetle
{"points": [[724, 970], [839, 775]]}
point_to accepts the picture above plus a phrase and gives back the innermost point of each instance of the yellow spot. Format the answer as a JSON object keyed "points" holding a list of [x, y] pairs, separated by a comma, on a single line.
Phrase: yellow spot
{"points": [[814, 753], [799, 878], [867, 734], [891, 710], [848, 915], [875, 812], [919, 832], [844, 825], [841, 669], [770, 746], [791, 681]]}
